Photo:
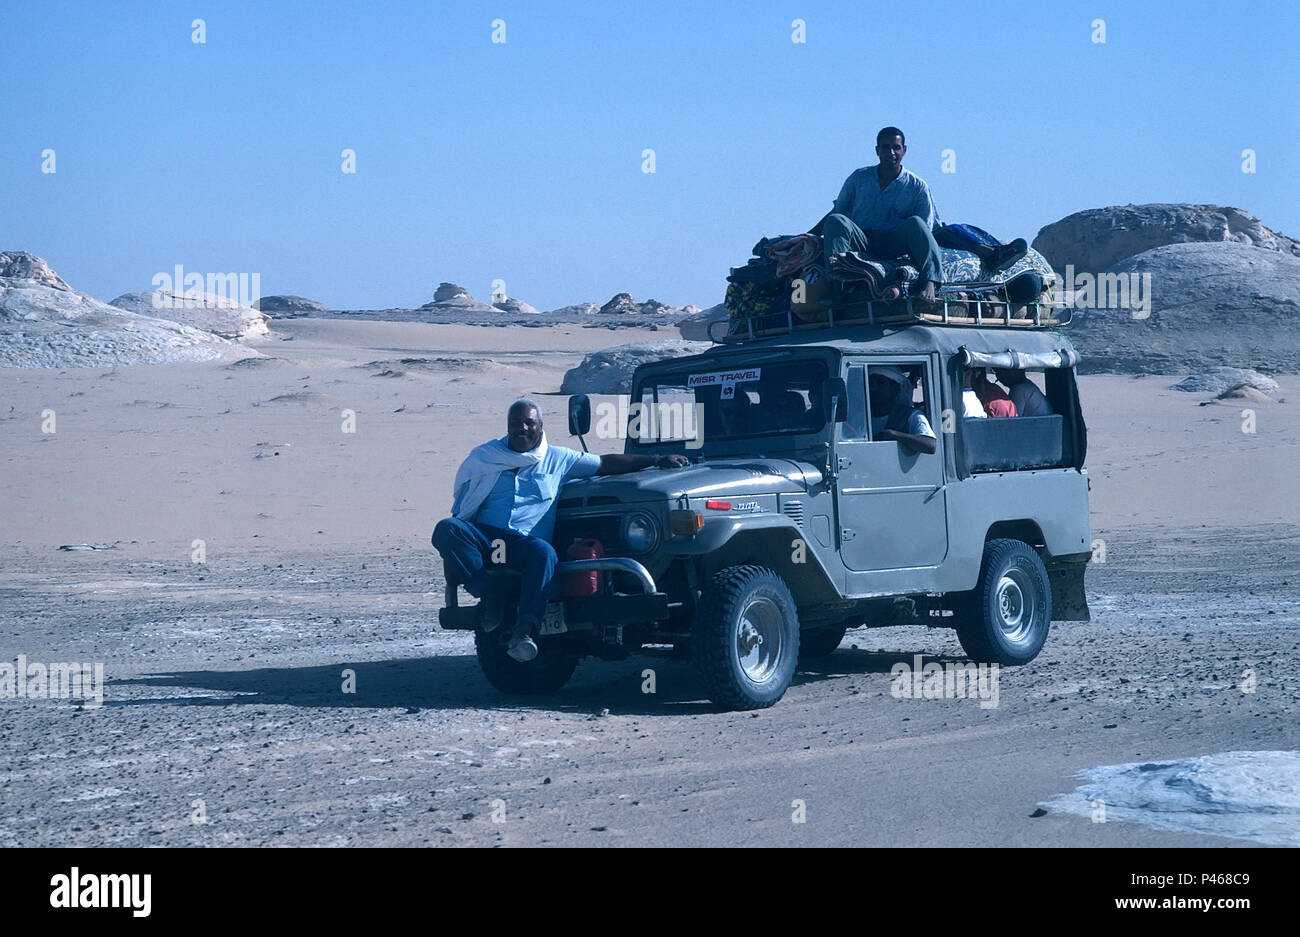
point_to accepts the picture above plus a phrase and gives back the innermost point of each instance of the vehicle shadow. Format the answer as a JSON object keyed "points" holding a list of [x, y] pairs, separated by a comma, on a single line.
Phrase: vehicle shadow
{"points": [[641, 685]]}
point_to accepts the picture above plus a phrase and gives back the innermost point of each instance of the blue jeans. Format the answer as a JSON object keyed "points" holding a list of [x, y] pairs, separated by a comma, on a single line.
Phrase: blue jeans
{"points": [[467, 550]]}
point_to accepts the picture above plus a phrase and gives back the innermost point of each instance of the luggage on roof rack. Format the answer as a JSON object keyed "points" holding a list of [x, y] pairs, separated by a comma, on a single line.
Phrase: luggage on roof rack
{"points": [[982, 313]]}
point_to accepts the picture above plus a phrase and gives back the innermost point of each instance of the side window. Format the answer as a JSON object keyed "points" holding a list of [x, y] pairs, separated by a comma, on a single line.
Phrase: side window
{"points": [[855, 424], [891, 385]]}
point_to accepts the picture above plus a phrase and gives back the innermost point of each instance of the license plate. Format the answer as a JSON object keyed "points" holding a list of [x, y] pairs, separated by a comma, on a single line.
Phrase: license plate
{"points": [[553, 623]]}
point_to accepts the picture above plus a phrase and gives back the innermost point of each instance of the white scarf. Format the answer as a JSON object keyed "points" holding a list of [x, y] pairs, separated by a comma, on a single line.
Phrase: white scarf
{"points": [[483, 466]]}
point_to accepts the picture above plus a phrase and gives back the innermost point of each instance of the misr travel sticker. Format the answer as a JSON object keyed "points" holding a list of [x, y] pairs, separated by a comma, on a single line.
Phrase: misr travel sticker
{"points": [[728, 380]]}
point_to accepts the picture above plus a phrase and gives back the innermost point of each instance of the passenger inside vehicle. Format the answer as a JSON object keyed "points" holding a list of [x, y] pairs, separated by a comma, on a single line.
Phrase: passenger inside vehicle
{"points": [[1024, 393], [889, 395], [995, 400], [971, 405], [736, 414]]}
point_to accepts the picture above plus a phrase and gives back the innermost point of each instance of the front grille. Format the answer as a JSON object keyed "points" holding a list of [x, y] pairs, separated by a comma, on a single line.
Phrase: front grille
{"points": [[793, 509], [603, 527]]}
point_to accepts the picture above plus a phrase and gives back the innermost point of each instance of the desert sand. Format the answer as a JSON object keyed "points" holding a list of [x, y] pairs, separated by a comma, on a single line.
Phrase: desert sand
{"points": [[223, 678]]}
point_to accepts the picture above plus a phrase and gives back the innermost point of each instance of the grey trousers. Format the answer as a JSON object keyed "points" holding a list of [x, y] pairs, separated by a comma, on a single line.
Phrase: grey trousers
{"points": [[911, 237]]}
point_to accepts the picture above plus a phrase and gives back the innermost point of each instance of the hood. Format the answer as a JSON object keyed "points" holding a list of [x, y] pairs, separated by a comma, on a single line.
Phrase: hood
{"points": [[724, 478]]}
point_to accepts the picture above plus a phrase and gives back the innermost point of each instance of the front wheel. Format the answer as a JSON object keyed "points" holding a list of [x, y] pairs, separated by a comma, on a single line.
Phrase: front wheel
{"points": [[746, 637], [1005, 618], [546, 673]]}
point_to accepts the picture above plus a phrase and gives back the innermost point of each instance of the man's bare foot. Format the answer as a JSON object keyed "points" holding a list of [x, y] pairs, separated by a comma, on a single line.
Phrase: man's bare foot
{"points": [[891, 293], [927, 293]]}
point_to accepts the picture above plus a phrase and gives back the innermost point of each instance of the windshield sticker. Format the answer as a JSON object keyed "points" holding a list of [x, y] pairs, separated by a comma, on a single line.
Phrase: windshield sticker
{"points": [[727, 379]]}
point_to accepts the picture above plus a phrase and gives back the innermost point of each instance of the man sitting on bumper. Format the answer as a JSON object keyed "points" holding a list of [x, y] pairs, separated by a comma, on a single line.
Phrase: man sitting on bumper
{"points": [[503, 512]]}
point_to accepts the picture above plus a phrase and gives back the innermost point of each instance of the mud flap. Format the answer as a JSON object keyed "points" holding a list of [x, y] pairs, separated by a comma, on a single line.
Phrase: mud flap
{"points": [[1069, 602]]}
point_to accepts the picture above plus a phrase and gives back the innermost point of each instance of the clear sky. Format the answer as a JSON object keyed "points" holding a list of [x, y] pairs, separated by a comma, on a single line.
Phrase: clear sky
{"points": [[523, 161]]}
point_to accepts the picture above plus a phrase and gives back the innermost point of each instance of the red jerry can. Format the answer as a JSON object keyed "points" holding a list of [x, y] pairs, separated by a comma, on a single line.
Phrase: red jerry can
{"points": [[583, 583]]}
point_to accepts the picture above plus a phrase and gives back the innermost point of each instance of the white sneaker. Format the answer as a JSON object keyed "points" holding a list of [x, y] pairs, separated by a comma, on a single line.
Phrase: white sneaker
{"points": [[522, 649]]}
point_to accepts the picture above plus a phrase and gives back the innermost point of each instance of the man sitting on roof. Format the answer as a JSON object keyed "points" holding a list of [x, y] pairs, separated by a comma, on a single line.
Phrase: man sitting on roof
{"points": [[887, 211]]}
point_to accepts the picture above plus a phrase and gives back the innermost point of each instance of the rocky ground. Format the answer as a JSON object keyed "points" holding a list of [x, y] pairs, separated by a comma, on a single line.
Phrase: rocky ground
{"points": [[224, 700]]}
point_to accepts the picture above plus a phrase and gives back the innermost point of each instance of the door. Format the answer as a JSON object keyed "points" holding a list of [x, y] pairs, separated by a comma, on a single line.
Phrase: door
{"points": [[891, 503]]}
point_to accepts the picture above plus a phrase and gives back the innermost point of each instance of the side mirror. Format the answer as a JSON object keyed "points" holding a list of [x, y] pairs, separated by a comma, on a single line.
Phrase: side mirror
{"points": [[836, 395], [579, 415]]}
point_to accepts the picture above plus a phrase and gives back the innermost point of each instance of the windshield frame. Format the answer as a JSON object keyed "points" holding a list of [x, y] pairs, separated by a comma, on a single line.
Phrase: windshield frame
{"points": [[775, 440]]}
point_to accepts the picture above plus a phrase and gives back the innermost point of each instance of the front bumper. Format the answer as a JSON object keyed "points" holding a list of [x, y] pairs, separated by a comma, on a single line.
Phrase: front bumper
{"points": [[650, 605]]}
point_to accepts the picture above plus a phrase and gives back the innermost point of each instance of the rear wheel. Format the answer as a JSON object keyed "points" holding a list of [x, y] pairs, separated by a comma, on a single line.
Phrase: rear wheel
{"points": [[746, 637], [820, 643], [546, 673], [1005, 618]]}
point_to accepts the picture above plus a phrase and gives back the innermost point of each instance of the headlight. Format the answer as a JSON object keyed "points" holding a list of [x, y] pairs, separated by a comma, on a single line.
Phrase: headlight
{"points": [[640, 533]]}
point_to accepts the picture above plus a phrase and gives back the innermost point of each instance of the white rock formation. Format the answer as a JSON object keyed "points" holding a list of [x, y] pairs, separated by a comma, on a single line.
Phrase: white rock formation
{"points": [[207, 311], [45, 323], [609, 371]]}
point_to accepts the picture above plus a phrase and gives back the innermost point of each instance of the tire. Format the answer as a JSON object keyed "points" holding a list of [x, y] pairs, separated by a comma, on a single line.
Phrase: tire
{"points": [[549, 671], [1005, 618], [820, 643], [739, 604]]}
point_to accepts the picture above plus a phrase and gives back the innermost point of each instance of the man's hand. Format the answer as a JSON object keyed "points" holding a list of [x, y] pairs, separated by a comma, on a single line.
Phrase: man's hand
{"points": [[676, 460]]}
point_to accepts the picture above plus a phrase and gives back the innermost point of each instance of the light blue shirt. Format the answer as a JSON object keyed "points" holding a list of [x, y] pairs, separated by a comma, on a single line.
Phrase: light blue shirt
{"points": [[874, 209], [523, 500]]}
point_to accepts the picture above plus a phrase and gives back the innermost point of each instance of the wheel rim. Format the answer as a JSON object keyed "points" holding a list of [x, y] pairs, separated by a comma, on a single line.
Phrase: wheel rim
{"points": [[759, 639], [1015, 605]]}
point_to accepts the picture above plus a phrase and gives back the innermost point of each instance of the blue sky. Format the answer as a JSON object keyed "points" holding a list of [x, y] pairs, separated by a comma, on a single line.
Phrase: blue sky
{"points": [[522, 160]]}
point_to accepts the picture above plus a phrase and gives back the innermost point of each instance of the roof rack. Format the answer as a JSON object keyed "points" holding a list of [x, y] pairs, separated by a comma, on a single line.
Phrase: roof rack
{"points": [[954, 312]]}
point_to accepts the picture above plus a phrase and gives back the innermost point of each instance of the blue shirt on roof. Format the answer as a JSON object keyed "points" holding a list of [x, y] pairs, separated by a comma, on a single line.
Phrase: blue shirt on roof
{"points": [[523, 500], [874, 209]]}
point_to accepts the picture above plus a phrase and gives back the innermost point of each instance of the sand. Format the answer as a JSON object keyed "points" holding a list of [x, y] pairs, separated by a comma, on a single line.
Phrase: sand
{"points": [[224, 677]]}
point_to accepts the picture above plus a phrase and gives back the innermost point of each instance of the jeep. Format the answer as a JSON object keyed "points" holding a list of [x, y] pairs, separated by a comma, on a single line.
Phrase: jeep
{"points": [[794, 522]]}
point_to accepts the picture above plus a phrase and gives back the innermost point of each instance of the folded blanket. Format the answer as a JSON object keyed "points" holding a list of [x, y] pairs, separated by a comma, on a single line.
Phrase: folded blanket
{"points": [[877, 275], [793, 253]]}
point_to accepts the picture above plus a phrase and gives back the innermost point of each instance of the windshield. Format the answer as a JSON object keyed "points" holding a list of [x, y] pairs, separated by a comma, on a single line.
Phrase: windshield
{"points": [[763, 400]]}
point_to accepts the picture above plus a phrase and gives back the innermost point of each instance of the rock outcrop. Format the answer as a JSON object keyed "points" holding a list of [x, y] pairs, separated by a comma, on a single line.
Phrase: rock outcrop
{"points": [[1211, 305], [517, 307], [1098, 238], [624, 304], [1219, 380], [207, 311], [45, 323], [621, 304], [696, 327], [20, 265], [451, 297], [577, 309], [609, 371], [289, 306]]}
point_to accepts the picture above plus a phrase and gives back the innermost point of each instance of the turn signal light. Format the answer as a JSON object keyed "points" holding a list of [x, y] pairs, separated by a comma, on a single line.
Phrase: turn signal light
{"points": [[685, 523]]}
